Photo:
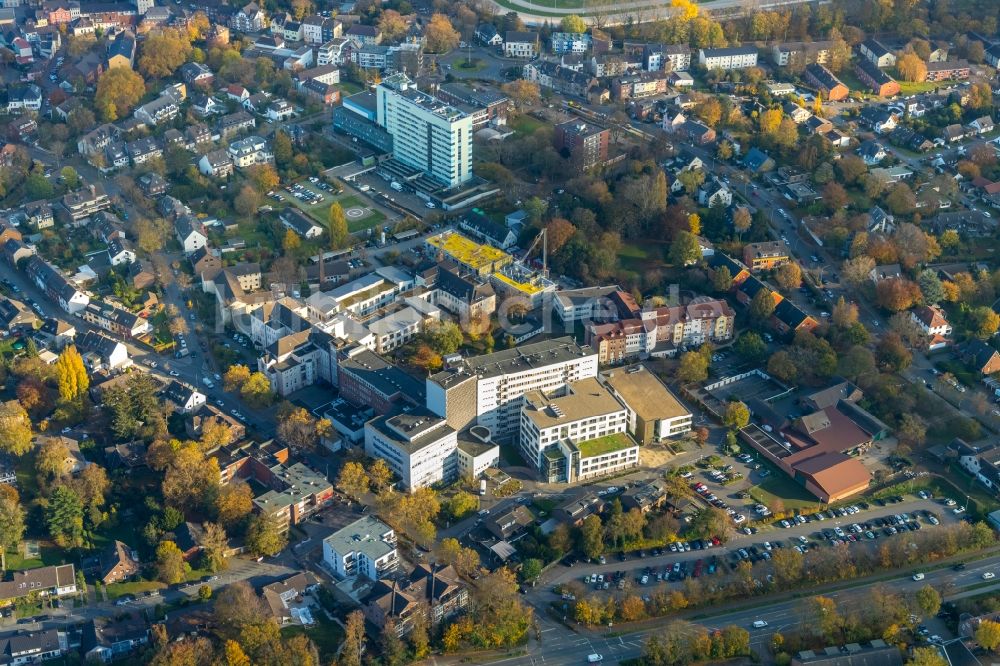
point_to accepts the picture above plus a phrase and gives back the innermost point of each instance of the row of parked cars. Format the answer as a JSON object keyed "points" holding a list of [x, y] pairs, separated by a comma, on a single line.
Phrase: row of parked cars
{"points": [[715, 501]]}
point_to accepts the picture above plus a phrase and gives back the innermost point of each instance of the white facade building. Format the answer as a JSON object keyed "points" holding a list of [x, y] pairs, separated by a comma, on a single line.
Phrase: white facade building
{"points": [[737, 57], [366, 547], [420, 447], [487, 390], [428, 134]]}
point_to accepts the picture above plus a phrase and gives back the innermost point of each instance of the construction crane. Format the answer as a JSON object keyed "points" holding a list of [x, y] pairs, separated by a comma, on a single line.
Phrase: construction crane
{"points": [[545, 251]]}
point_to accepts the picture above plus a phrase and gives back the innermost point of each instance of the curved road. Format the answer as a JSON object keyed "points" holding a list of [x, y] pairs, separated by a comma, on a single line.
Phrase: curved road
{"points": [[619, 12]]}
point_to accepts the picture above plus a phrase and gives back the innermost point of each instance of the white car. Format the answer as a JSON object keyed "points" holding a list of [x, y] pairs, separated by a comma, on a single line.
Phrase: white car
{"points": [[759, 624], [594, 658], [918, 576], [989, 575]]}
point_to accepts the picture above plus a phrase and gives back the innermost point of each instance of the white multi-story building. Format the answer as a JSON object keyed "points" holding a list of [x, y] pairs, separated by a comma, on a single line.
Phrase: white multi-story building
{"points": [[420, 447], [366, 547], [667, 57], [487, 390], [428, 134], [576, 433], [250, 151], [934, 323], [735, 57], [589, 303], [654, 412]]}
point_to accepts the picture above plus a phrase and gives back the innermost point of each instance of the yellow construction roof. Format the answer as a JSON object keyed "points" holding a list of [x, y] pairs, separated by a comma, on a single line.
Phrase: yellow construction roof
{"points": [[525, 287], [468, 252]]}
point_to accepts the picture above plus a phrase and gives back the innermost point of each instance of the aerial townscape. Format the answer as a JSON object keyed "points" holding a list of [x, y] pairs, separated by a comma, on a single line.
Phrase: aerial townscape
{"points": [[527, 332]]}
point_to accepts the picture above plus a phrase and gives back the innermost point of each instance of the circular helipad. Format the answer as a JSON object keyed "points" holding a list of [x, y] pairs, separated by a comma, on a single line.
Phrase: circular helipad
{"points": [[356, 213]]}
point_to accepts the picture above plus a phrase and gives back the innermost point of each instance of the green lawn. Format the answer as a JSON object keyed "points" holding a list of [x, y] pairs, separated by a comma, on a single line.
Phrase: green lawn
{"points": [[791, 494], [469, 64], [136, 587], [524, 124], [326, 634], [349, 87], [48, 556], [603, 445], [321, 211], [914, 88]]}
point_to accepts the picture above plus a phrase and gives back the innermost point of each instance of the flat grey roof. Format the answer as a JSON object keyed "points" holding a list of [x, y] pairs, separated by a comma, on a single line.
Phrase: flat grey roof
{"points": [[518, 359], [365, 535]]}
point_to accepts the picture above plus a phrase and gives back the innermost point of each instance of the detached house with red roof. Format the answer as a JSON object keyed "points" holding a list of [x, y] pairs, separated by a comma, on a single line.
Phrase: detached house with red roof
{"points": [[932, 321]]}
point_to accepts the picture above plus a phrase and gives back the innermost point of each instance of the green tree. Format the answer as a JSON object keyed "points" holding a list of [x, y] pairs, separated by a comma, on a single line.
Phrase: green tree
{"points": [[750, 346], [722, 279], [265, 537], [460, 505], [928, 601], [170, 565], [685, 249], [70, 177], [592, 537], [709, 522], [531, 569], [204, 594], [282, 147], [64, 517], [761, 306], [573, 23], [337, 226]]}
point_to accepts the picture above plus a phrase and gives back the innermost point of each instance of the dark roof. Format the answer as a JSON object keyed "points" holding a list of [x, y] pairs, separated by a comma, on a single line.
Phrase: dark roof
{"points": [[789, 314]]}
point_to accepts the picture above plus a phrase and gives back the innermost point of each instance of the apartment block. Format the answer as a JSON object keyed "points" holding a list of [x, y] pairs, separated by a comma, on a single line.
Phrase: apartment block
{"points": [[366, 548], [654, 412], [420, 447], [486, 390], [737, 57], [428, 134]]}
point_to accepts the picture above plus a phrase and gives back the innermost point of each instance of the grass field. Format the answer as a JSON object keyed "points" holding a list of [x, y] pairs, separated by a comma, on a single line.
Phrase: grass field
{"points": [[116, 590], [914, 88], [326, 634], [524, 124], [47, 556], [321, 211], [349, 88], [791, 494]]}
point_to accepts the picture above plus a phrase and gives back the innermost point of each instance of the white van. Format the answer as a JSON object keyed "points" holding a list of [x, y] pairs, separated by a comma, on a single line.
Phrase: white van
{"points": [[594, 658], [759, 624]]}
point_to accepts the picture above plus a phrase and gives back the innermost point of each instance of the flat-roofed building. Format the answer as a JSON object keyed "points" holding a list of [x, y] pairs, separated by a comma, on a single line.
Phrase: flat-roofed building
{"points": [[420, 447], [576, 432], [366, 547], [654, 412], [486, 390]]}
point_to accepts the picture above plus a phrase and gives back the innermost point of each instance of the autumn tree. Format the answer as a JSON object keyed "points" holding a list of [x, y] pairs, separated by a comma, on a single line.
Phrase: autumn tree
{"points": [[440, 36], [15, 428], [897, 294], [337, 226], [573, 23], [392, 25], [118, 90], [265, 536], [557, 233], [190, 480], [163, 52], [170, 565], [214, 544], [353, 647], [236, 376], [257, 390], [736, 416], [742, 220], [353, 481], [911, 67], [379, 475], [71, 375], [233, 503], [11, 524], [263, 177], [522, 92], [247, 202], [928, 601], [693, 367], [988, 635], [297, 428], [788, 276]]}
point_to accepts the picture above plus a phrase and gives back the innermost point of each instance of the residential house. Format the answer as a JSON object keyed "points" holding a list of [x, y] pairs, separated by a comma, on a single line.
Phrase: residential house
{"points": [[982, 125], [885, 272], [880, 221], [110, 637], [486, 34], [801, 53], [121, 50], [765, 256], [300, 223], [282, 596], [519, 44], [876, 53], [101, 353], [979, 357], [190, 233], [948, 70], [758, 161], [430, 590], [118, 563], [877, 80], [250, 151], [932, 321], [736, 57], [197, 74], [365, 35], [483, 228], [234, 123], [51, 581], [55, 285], [250, 18], [872, 152]]}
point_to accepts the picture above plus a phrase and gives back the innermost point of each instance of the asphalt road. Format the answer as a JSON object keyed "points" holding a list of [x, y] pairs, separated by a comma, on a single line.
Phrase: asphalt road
{"points": [[560, 646]]}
